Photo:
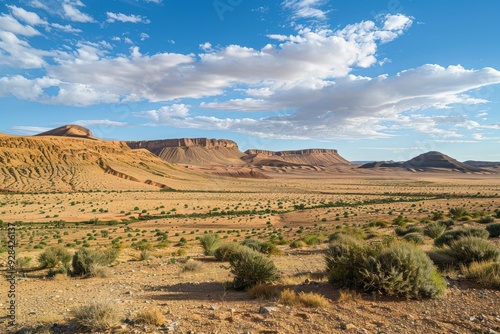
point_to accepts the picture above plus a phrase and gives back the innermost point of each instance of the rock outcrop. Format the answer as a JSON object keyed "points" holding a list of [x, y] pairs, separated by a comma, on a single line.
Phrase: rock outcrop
{"points": [[74, 131], [309, 157], [193, 151]]}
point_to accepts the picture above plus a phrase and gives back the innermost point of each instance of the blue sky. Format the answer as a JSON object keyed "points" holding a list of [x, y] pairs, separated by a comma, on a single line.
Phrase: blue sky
{"points": [[377, 80]]}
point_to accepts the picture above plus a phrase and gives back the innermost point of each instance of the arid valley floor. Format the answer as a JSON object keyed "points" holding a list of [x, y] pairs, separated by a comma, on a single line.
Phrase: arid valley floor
{"points": [[161, 266]]}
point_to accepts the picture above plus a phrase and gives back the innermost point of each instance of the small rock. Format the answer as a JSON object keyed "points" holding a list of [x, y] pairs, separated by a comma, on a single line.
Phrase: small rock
{"points": [[348, 327], [473, 318], [213, 307], [491, 331], [267, 309]]}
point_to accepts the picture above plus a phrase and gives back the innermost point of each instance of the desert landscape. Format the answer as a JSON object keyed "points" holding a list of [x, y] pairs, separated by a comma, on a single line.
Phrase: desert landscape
{"points": [[170, 215]]}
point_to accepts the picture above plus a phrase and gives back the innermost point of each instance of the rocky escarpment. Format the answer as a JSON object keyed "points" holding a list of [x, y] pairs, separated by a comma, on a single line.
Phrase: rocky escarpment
{"points": [[310, 157], [193, 151]]}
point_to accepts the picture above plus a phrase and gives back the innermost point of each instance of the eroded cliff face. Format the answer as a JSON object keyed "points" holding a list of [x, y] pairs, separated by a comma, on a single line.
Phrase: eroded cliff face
{"points": [[312, 157], [183, 142], [193, 151]]}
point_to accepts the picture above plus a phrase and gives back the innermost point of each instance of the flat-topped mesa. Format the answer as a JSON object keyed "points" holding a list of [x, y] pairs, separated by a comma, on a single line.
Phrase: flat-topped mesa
{"points": [[309, 157], [193, 151], [182, 142], [292, 152], [69, 130]]}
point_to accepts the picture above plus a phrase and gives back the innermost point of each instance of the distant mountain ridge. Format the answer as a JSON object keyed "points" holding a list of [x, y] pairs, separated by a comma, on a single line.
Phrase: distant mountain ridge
{"points": [[70, 130], [311, 157], [426, 161]]}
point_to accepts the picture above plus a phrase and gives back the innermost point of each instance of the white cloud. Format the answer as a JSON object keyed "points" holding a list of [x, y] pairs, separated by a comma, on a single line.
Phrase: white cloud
{"points": [[29, 130], [28, 17], [144, 36], [100, 122], [9, 23], [154, 1], [207, 46], [72, 13], [113, 17], [306, 8], [66, 28], [19, 53]]}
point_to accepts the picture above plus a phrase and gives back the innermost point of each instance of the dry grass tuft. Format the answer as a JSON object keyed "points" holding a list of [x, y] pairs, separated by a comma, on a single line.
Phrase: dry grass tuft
{"points": [[307, 299], [486, 273], [151, 317], [96, 316], [265, 291], [348, 296], [192, 266]]}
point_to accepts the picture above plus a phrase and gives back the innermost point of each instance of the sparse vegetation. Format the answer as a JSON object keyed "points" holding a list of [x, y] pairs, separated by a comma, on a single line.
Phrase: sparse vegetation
{"points": [[88, 262], [448, 237], [493, 230], [152, 317], [473, 249], [96, 316], [210, 242], [486, 273], [53, 256], [251, 267]]}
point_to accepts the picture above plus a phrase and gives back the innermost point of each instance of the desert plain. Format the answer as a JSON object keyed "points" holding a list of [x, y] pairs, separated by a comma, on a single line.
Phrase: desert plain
{"points": [[154, 214]]}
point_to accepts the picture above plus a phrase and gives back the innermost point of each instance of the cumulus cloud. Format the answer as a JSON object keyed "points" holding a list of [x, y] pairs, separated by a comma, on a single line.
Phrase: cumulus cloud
{"points": [[9, 23], [28, 17], [66, 28], [71, 12], [308, 9], [113, 17]]}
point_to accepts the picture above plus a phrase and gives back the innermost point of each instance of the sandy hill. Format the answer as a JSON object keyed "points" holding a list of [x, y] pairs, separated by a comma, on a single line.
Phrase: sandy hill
{"points": [[193, 151], [67, 163], [430, 161], [308, 157], [70, 131]]}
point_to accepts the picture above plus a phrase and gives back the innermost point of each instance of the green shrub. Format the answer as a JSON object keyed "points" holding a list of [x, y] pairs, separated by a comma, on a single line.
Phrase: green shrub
{"points": [[486, 273], [298, 244], [486, 220], [400, 269], [448, 237], [251, 267], [313, 239], [86, 260], [54, 255], [473, 249], [415, 237], [458, 212], [252, 243], [344, 260], [434, 230], [448, 222], [225, 251], [269, 248], [401, 231], [493, 230], [210, 242]]}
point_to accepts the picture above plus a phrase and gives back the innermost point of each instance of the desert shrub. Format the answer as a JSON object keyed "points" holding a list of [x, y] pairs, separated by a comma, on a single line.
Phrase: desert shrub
{"points": [[344, 258], [288, 297], [23, 262], [448, 237], [458, 212], [144, 255], [54, 255], [486, 220], [264, 291], [400, 269], [152, 317], [400, 221], [486, 273], [252, 243], [447, 222], [493, 230], [192, 266], [269, 248], [473, 249], [225, 251], [86, 261], [356, 233], [401, 231], [298, 244], [251, 267], [434, 230], [96, 316], [210, 242], [378, 223], [497, 213], [313, 239], [415, 237]]}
